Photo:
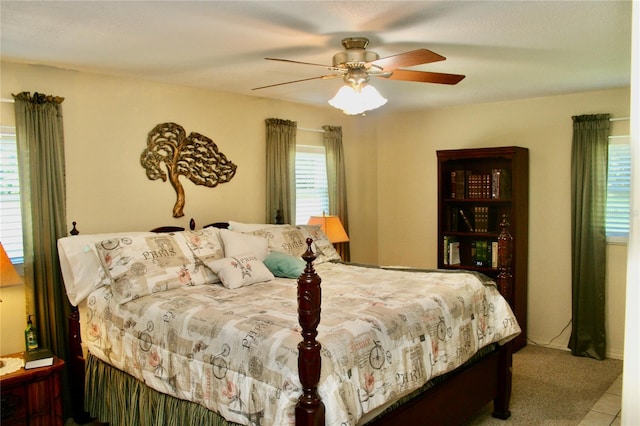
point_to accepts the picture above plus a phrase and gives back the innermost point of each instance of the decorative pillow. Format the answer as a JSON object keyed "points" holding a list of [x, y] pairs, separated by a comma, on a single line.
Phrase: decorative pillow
{"points": [[82, 271], [322, 243], [292, 239], [284, 265], [236, 243], [205, 244], [249, 227], [242, 270], [148, 264]]}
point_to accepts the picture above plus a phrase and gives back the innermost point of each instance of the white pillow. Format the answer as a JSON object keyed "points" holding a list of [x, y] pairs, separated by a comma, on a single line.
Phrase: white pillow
{"points": [[236, 243], [82, 271], [239, 271]]}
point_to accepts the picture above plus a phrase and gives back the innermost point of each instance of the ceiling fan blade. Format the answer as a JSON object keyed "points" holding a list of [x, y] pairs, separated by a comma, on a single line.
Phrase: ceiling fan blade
{"points": [[322, 77], [329, 67], [425, 77], [408, 59]]}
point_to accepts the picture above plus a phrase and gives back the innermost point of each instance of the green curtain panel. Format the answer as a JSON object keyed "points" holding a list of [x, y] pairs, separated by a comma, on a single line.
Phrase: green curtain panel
{"points": [[337, 182], [40, 142], [589, 157], [281, 163]]}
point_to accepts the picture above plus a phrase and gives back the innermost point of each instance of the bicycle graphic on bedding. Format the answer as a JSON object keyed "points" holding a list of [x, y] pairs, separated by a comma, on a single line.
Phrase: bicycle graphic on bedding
{"points": [[378, 355]]}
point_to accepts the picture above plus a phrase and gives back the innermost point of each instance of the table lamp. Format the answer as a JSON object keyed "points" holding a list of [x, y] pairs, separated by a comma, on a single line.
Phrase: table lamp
{"points": [[331, 226], [8, 277], [8, 274]]}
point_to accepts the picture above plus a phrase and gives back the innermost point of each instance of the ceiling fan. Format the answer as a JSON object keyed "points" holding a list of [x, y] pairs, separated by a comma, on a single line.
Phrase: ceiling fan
{"points": [[356, 65]]}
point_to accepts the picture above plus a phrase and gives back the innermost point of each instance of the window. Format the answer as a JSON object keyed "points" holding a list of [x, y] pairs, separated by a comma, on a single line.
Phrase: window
{"points": [[312, 195], [618, 189], [10, 216]]}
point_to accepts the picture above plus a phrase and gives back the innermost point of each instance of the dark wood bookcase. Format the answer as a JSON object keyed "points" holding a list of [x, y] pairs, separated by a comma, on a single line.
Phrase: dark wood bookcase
{"points": [[476, 189]]}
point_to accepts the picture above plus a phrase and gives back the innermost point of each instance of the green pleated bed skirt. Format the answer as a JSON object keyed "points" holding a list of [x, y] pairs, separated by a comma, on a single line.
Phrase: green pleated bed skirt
{"points": [[115, 397], [121, 400]]}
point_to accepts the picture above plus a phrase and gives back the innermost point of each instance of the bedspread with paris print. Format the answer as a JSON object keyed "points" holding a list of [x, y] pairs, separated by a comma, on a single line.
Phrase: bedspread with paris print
{"points": [[383, 333]]}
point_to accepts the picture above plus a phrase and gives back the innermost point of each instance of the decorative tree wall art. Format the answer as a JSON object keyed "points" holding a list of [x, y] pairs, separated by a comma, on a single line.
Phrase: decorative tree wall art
{"points": [[194, 156]]}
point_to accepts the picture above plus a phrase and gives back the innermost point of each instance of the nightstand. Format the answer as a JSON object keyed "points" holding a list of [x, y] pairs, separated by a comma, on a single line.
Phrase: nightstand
{"points": [[32, 397]]}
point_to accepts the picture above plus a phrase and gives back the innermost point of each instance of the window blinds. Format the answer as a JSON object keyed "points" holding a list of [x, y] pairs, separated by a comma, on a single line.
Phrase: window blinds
{"points": [[618, 188], [10, 216], [312, 194]]}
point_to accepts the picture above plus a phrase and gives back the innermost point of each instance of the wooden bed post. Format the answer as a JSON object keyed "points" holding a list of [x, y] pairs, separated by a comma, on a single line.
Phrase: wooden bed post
{"points": [[505, 256], [310, 410], [76, 361], [76, 368], [505, 286]]}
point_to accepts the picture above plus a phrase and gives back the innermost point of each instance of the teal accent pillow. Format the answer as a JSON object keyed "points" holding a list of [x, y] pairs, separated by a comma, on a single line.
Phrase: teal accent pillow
{"points": [[284, 265]]}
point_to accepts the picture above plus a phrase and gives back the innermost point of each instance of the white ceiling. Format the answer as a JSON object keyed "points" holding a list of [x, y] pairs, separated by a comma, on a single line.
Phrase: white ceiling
{"points": [[506, 49]]}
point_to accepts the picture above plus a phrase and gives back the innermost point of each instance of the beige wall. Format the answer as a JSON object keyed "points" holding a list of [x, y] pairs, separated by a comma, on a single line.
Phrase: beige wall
{"points": [[106, 122], [407, 142], [391, 173]]}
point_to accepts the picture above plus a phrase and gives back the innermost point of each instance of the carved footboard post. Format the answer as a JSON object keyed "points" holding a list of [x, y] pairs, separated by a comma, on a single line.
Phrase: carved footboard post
{"points": [[505, 286], [76, 367], [309, 409]]}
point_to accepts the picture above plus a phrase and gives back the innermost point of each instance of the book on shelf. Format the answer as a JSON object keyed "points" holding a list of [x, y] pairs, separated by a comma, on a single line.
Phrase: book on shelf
{"points": [[453, 225], [478, 185], [481, 218], [458, 183], [446, 249], [494, 254], [484, 253], [486, 261], [477, 253], [40, 357], [473, 250], [500, 184], [454, 253], [466, 220]]}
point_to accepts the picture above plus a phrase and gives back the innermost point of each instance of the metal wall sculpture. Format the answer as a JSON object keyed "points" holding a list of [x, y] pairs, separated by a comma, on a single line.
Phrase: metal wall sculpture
{"points": [[194, 156]]}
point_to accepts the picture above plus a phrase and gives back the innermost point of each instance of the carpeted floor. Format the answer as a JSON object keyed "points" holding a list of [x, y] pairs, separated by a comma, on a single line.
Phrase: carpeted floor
{"points": [[553, 387]]}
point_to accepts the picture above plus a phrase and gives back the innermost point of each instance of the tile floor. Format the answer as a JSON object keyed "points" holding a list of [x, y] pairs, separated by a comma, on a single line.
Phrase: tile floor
{"points": [[606, 411]]}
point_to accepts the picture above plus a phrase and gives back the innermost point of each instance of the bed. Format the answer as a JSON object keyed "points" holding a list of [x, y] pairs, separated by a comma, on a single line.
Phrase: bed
{"points": [[224, 342]]}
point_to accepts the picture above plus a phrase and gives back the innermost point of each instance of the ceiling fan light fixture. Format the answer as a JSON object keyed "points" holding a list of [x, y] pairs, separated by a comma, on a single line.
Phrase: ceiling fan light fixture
{"points": [[354, 100], [356, 65]]}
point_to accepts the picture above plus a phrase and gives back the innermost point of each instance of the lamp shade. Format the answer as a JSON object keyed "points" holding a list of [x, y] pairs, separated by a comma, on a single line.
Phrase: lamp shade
{"points": [[357, 99], [8, 274], [331, 226]]}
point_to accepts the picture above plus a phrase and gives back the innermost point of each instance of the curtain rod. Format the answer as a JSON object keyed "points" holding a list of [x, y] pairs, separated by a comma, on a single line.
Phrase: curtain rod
{"points": [[620, 119], [307, 129], [7, 100]]}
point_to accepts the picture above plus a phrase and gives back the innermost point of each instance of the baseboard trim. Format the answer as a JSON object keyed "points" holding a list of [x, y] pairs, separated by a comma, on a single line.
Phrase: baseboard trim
{"points": [[609, 354]]}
